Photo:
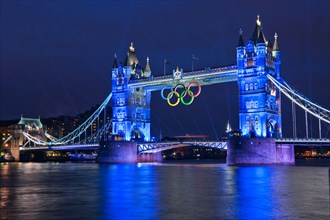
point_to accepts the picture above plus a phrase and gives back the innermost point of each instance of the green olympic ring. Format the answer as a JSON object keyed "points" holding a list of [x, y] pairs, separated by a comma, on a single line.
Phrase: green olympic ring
{"points": [[182, 95], [190, 93]]}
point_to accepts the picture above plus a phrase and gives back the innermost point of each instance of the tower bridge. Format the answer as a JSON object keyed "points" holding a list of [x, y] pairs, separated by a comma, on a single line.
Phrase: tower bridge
{"points": [[258, 75]]}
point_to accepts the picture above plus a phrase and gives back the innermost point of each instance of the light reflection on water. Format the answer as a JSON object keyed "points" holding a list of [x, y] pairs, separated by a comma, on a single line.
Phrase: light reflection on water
{"points": [[162, 191]]}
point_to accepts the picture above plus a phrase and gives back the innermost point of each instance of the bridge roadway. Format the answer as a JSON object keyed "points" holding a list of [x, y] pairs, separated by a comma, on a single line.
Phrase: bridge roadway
{"points": [[207, 76], [154, 147]]}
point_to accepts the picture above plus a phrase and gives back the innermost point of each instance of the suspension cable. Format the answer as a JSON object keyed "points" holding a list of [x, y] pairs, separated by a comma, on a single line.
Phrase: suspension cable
{"points": [[312, 108]]}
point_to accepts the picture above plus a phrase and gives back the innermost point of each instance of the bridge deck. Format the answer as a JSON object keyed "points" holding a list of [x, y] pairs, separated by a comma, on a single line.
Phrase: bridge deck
{"points": [[153, 147], [203, 77]]}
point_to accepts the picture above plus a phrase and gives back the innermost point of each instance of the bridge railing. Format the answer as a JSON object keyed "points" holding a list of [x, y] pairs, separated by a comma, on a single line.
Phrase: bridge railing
{"points": [[203, 72]]}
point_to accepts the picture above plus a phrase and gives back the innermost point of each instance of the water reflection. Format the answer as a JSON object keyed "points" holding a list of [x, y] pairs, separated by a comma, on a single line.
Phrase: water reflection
{"points": [[162, 191], [254, 193], [130, 192]]}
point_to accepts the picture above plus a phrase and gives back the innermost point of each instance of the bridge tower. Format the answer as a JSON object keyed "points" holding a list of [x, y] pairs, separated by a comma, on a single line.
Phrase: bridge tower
{"points": [[259, 99], [130, 107]]}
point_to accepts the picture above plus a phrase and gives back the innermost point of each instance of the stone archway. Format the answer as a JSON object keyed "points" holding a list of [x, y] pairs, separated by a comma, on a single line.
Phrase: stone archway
{"points": [[272, 127], [136, 134]]}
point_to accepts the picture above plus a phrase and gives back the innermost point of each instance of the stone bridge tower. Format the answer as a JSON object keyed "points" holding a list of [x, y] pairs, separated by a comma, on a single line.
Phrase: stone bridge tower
{"points": [[259, 99], [131, 107]]}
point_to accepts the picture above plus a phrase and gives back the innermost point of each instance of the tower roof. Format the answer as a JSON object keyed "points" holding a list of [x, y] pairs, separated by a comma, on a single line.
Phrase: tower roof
{"points": [[31, 122], [115, 64], [147, 70], [276, 47], [257, 32], [261, 37], [131, 59], [240, 40]]}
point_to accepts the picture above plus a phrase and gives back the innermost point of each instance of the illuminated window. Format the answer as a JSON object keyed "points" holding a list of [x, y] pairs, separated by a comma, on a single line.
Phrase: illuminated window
{"points": [[246, 87], [255, 86], [251, 86]]}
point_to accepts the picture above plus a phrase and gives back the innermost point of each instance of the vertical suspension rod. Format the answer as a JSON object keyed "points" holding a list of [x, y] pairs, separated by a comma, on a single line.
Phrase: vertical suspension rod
{"points": [[320, 131], [294, 126], [104, 120], [306, 122], [98, 127]]}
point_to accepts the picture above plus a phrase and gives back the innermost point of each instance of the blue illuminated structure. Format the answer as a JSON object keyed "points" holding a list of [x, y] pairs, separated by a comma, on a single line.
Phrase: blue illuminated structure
{"points": [[259, 99], [130, 106]]}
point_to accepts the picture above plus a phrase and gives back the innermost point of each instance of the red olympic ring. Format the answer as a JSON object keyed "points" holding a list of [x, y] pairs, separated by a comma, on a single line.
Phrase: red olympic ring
{"points": [[198, 91]]}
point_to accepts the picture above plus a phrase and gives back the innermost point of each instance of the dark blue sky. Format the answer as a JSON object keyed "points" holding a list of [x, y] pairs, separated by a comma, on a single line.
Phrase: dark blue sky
{"points": [[56, 56]]}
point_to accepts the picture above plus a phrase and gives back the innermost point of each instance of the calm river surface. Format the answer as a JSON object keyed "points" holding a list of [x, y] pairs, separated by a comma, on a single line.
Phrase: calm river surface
{"points": [[184, 190]]}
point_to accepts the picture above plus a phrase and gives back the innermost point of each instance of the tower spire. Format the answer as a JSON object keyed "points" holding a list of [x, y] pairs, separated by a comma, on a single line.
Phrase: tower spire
{"points": [[257, 32], [258, 20], [240, 40], [275, 47], [147, 70], [228, 128], [115, 64], [131, 48]]}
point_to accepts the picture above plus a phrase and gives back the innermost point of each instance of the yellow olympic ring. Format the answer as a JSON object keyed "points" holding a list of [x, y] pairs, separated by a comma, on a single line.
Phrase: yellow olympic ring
{"points": [[170, 95]]}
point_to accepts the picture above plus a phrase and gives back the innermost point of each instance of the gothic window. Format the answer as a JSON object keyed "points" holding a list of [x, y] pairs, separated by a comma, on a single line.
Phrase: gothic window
{"points": [[121, 101], [246, 87], [138, 100], [255, 104], [251, 86], [120, 81], [255, 86]]}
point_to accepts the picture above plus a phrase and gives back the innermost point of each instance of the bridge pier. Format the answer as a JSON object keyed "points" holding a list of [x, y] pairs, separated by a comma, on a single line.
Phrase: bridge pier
{"points": [[15, 153], [242, 151], [123, 152], [152, 157], [16, 142]]}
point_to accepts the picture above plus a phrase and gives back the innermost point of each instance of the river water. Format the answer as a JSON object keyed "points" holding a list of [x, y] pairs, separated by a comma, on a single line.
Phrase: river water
{"points": [[184, 190]]}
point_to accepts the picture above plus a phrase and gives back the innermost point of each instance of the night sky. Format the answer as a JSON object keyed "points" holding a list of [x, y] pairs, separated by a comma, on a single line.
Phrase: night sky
{"points": [[56, 56]]}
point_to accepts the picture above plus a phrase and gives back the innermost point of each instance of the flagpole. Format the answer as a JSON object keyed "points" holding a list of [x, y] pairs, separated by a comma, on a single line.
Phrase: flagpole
{"points": [[192, 62]]}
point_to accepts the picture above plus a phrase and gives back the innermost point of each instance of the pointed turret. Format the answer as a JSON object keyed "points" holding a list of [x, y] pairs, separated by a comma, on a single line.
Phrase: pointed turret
{"points": [[257, 32], [147, 70], [115, 64], [277, 55], [240, 40], [228, 128], [240, 50], [138, 71], [275, 47], [131, 58], [261, 38]]}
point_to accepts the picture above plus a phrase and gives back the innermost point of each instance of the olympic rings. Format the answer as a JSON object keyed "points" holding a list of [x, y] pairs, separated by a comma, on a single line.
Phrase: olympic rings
{"points": [[170, 95], [190, 93], [182, 95], [162, 92], [199, 88]]}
